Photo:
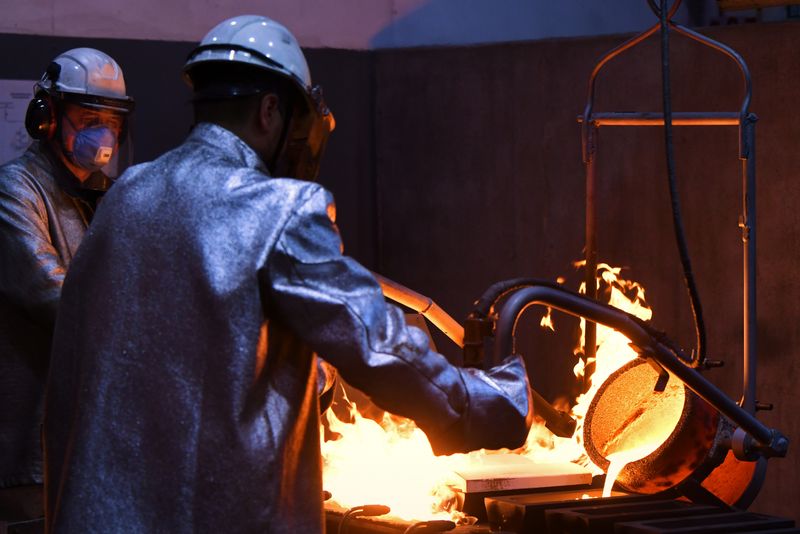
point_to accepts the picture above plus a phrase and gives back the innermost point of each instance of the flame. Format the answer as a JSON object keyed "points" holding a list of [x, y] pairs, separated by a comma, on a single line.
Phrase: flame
{"points": [[392, 463], [388, 463], [547, 320], [613, 349]]}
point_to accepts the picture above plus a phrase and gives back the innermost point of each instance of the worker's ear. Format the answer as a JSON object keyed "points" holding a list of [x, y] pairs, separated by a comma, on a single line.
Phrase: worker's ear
{"points": [[269, 113]]}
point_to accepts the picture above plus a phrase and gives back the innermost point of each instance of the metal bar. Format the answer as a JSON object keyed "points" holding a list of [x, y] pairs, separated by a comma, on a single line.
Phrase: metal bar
{"points": [[423, 305], [646, 118], [630, 43], [590, 251], [587, 110], [728, 51], [736, 5], [558, 422], [580, 306], [748, 225]]}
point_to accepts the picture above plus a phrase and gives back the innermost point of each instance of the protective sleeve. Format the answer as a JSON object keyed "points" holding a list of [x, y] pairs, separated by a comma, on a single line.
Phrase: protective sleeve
{"points": [[31, 270], [337, 307]]}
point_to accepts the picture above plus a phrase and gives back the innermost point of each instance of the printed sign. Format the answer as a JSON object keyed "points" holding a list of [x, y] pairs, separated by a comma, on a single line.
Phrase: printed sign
{"points": [[14, 98]]}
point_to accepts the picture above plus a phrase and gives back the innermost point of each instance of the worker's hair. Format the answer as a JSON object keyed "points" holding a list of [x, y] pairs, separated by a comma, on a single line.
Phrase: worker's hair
{"points": [[231, 92]]}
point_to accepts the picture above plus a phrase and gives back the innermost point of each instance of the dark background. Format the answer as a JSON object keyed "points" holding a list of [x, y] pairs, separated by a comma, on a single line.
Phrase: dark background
{"points": [[456, 167]]}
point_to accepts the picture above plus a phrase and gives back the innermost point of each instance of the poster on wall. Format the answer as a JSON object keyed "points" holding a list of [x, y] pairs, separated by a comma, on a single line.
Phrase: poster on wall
{"points": [[14, 98]]}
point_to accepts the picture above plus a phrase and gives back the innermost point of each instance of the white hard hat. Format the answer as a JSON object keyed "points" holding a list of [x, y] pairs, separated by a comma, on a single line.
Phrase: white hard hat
{"points": [[87, 76], [253, 40], [257, 42]]}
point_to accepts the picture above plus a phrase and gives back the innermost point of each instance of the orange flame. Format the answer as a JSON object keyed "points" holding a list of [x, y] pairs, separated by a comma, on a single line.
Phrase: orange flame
{"points": [[388, 463], [392, 462]]}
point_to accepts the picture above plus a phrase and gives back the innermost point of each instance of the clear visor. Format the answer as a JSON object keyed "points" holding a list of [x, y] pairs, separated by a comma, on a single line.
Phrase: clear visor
{"points": [[82, 116], [123, 155], [311, 125]]}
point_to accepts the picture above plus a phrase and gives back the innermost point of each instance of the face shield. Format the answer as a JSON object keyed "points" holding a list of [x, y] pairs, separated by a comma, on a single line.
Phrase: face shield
{"points": [[308, 121], [95, 136], [309, 125]]}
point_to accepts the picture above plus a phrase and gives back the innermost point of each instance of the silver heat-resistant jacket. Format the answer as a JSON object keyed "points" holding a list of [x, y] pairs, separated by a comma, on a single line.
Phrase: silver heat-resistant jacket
{"points": [[43, 216], [183, 394]]}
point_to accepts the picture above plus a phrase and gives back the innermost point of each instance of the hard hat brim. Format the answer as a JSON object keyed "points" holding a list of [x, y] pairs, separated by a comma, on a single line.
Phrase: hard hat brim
{"points": [[119, 105], [228, 52]]}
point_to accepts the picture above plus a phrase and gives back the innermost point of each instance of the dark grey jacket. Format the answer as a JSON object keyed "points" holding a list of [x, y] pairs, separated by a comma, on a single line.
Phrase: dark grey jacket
{"points": [[183, 394], [41, 225]]}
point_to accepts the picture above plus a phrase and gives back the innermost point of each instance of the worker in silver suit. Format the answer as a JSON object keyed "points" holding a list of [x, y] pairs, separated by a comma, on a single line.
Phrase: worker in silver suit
{"points": [[184, 391], [47, 197]]}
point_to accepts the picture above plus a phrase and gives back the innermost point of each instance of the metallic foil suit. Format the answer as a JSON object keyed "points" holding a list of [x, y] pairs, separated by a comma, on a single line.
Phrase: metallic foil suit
{"points": [[43, 216], [184, 393]]}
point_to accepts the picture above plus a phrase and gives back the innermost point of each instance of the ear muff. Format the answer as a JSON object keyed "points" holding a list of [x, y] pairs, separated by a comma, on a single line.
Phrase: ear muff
{"points": [[40, 119]]}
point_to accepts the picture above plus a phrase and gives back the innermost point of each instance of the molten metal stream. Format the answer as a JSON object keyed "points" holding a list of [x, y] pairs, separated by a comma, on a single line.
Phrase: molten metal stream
{"points": [[632, 419]]}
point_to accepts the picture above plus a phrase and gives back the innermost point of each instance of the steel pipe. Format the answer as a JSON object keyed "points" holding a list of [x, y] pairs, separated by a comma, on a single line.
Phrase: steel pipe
{"points": [[646, 118], [423, 305], [770, 441]]}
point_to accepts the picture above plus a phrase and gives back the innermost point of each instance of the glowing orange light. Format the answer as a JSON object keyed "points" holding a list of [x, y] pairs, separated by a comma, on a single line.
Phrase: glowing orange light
{"points": [[392, 463]]}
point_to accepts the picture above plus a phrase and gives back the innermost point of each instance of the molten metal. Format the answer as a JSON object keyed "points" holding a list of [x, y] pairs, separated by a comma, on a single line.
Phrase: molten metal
{"points": [[654, 439]]}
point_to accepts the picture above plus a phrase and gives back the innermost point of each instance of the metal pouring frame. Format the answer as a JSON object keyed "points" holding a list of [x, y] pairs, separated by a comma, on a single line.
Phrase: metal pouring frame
{"points": [[591, 121], [752, 439]]}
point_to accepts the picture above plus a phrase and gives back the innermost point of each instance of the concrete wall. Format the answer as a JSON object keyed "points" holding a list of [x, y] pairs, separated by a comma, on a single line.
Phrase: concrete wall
{"points": [[350, 24]]}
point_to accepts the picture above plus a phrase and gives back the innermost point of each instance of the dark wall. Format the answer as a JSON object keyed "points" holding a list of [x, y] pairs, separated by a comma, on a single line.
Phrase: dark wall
{"points": [[348, 168], [457, 167], [480, 178]]}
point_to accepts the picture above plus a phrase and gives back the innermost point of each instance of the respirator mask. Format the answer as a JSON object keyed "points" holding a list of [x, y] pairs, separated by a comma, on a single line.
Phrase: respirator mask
{"points": [[92, 146]]}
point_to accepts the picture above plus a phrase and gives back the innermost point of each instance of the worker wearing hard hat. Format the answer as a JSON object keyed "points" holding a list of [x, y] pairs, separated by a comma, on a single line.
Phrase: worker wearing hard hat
{"points": [[47, 198], [183, 395]]}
